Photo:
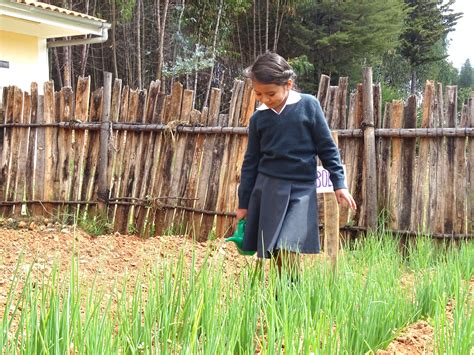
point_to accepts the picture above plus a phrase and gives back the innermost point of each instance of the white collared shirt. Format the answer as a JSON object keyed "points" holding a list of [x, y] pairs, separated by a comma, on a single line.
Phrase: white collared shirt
{"points": [[293, 98]]}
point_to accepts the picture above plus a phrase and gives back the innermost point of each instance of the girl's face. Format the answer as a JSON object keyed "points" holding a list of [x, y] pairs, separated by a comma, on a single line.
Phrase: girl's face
{"points": [[272, 95]]}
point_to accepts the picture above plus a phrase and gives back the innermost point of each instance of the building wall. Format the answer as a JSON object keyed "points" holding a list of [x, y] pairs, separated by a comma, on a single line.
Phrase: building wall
{"points": [[28, 60]]}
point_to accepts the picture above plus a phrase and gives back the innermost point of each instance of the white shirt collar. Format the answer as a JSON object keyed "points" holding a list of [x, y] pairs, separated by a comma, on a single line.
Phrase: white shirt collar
{"points": [[293, 98]]}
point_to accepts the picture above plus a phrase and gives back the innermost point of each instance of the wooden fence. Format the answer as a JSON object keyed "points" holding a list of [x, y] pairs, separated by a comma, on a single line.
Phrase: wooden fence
{"points": [[424, 158], [155, 164]]}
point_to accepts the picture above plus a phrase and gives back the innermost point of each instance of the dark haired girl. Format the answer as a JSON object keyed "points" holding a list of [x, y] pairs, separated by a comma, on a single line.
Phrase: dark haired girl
{"points": [[277, 192]]}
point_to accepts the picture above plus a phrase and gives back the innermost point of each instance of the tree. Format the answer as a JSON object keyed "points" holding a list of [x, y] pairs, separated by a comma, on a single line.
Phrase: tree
{"points": [[340, 36], [428, 22], [466, 75], [161, 24], [393, 74]]}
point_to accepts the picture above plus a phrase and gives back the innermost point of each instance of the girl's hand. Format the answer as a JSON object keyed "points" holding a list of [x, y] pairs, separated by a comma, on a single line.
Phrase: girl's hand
{"points": [[343, 195], [241, 213]]}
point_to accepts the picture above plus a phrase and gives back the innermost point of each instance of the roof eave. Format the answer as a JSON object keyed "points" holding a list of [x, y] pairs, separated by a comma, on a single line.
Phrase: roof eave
{"points": [[72, 23]]}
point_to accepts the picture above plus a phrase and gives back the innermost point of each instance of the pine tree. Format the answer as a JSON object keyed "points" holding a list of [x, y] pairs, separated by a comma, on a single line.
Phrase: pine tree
{"points": [[340, 36], [466, 75], [428, 22]]}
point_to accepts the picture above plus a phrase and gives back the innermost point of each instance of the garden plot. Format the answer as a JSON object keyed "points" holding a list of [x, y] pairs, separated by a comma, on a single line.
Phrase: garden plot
{"points": [[123, 294]]}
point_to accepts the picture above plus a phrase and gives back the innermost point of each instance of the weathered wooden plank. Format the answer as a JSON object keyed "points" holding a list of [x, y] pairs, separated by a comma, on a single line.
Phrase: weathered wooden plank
{"points": [[38, 190], [331, 227], [451, 116], [3, 116], [379, 140], [105, 140], [181, 164], [65, 156], [80, 139], [207, 167], [378, 105], [160, 116], [51, 143], [370, 175], [437, 158], [129, 147], [470, 168], [460, 183], [323, 90], [195, 178], [192, 189], [395, 166], [31, 162], [147, 223], [423, 169], [171, 114], [137, 162], [350, 152], [331, 106], [15, 147], [383, 162], [114, 139], [224, 224], [348, 157], [120, 145], [23, 142], [357, 171], [144, 183], [341, 123], [377, 95], [57, 149], [340, 106], [407, 167], [172, 220], [239, 144], [91, 158], [213, 187], [331, 223], [248, 108], [248, 104], [116, 189]]}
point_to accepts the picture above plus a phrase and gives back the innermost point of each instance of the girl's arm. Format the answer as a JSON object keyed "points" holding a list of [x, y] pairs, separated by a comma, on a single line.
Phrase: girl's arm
{"points": [[327, 150], [249, 166], [328, 153]]}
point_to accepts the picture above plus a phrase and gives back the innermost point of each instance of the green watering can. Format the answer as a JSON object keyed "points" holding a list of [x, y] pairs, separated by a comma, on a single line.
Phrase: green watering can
{"points": [[238, 238]]}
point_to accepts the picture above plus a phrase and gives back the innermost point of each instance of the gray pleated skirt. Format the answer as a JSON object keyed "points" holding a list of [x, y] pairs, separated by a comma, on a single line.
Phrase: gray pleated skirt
{"points": [[282, 215]]}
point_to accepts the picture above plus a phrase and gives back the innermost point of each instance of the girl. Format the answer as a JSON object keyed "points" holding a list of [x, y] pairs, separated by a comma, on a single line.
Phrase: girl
{"points": [[277, 192]]}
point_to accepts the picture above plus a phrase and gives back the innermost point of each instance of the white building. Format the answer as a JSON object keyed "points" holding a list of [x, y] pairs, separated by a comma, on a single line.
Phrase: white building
{"points": [[26, 26]]}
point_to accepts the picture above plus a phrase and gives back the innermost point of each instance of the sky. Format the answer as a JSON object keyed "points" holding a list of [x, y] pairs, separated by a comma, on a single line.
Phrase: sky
{"points": [[461, 46]]}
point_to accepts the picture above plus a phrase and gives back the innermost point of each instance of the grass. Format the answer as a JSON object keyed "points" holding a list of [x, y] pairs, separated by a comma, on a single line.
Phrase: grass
{"points": [[96, 225], [179, 308]]}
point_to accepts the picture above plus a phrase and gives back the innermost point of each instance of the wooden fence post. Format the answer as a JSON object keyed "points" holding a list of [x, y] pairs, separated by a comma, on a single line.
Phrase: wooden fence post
{"points": [[103, 191], [331, 222], [370, 177]]}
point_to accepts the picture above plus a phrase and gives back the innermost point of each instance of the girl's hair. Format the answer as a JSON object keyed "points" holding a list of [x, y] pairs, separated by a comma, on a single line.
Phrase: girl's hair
{"points": [[270, 68]]}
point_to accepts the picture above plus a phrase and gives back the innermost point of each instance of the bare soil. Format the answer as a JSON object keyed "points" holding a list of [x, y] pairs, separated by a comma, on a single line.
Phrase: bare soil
{"points": [[110, 257], [416, 339]]}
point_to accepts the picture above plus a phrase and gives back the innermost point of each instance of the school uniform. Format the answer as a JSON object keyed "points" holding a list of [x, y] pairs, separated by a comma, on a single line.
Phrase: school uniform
{"points": [[278, 178]]}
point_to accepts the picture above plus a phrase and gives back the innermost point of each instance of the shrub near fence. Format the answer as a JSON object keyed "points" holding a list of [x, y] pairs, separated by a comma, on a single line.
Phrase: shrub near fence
{"points": [[155, 164]]}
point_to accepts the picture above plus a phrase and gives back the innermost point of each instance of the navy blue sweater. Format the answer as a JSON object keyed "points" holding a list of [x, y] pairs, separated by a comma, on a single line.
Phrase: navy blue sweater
{"points": [[285, 146]]}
